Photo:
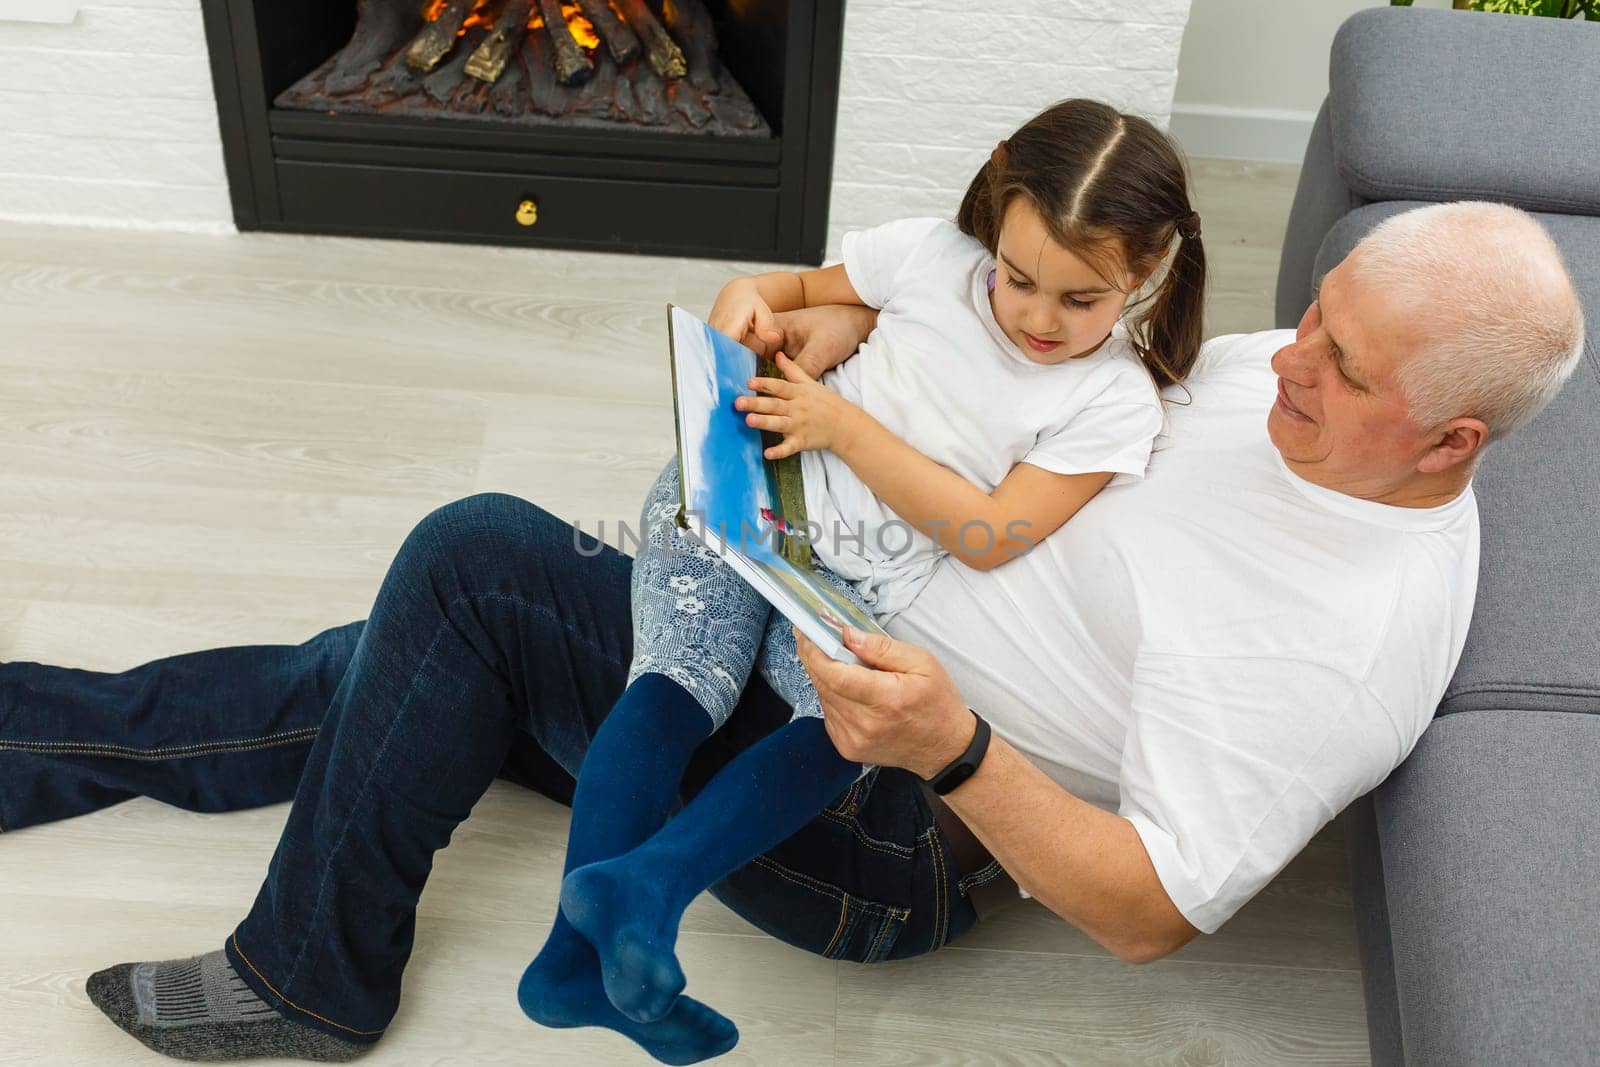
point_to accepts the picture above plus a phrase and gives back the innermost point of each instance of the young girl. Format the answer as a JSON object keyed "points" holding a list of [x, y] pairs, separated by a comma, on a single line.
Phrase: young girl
{"points": [[999, 392]]}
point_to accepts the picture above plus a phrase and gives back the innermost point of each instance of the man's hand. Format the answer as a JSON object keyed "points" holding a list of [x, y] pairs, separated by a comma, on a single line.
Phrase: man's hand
{"points": [[740, 312], [820, 338], [808, 414], [898, 708]]}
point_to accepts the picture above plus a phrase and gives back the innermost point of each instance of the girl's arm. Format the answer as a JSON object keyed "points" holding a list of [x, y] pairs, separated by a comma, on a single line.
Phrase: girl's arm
{"points": [[981, 529], [746, 305]]}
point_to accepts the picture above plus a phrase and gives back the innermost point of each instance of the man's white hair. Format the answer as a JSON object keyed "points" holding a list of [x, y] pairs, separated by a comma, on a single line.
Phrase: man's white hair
{"points": [[1501, 319]]}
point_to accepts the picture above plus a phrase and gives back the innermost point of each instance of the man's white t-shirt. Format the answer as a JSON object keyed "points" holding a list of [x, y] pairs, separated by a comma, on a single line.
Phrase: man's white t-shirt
{"points": [[1223, 653], [941, 375]]}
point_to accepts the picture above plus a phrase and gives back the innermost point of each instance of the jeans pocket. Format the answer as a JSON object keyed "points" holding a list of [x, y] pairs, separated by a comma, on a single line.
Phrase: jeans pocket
{"points": [[868, 930], [811, 914]]}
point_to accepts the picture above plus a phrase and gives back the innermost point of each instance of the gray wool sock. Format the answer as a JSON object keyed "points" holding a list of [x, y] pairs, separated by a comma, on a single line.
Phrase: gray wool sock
{"points": [[199, 1009]]}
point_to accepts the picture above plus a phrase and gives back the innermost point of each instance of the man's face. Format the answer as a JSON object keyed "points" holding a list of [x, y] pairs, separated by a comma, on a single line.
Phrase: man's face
{"points": [[1340, 419]]}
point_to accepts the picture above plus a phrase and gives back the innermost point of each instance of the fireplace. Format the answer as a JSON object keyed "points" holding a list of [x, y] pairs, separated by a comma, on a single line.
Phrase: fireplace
{"points": [[690, 127]]}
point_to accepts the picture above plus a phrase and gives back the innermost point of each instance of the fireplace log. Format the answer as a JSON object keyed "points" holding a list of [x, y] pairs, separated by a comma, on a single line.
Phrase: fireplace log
{"points": [[439, 36], [665, 57], [693, 25], [545, 95], [508, 98], [489, 61], [651, 96], [382, 26], [621, 42], [594, 100], [733, 113], [527, 91], [572, 65], [687, 100], [445, 84], [624, 107]]}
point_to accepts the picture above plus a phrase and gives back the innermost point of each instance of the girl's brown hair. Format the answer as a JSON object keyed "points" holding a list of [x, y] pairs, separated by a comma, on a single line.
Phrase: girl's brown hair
{"points": [[1112, 188]]}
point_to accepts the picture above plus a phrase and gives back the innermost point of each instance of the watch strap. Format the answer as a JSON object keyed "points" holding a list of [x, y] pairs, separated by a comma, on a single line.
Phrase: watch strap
{"points": [[965, 765]]}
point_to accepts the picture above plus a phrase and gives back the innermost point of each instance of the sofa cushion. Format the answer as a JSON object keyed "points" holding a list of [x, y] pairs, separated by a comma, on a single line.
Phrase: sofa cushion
{"points": [[1432, 105], [1535, 636], [1491, 886]]}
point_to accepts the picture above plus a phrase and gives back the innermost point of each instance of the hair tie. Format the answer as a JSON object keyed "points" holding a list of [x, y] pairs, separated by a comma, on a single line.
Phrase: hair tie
{"points": [[1189, 226]]}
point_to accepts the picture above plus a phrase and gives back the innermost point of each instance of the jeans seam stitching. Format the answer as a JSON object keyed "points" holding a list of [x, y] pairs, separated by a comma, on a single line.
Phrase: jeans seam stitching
{"points": [[872, 950], [539, 608], [939, 888], [884, 927], [264, 981], [389, 736], [803, 880], [838, 931], [871, 842], [807, 882], [366, 784], [844, 802], [206, 748], [982, 876]]}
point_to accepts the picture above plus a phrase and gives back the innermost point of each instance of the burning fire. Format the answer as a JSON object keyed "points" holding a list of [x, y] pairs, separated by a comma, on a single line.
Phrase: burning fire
{"points": [[582, 29]]}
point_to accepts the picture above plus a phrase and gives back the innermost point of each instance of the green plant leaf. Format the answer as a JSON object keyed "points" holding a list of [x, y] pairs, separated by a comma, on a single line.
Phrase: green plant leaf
{"points": [[1546, 8], [1399, 3]]}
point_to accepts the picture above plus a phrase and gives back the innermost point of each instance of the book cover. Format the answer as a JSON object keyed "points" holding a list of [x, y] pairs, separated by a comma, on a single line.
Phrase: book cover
{"points": [[746, 508]]}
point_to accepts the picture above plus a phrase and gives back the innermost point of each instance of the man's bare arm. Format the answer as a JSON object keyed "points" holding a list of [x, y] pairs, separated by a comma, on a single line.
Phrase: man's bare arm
{"points": [[900, 709], [1085, 864]]}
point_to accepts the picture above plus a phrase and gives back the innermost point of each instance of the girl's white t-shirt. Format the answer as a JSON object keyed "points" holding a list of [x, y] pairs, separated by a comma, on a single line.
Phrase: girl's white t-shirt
{"points": [[1223, 653], [939, 373]]}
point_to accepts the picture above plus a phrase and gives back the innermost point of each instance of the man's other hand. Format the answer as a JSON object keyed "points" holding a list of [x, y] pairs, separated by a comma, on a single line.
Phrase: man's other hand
{"points": [[820, 338], [897, 708]]}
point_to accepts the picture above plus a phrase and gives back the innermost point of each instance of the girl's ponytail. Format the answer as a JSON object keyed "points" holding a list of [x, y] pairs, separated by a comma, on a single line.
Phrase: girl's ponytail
{"points": [[1168, 336]]}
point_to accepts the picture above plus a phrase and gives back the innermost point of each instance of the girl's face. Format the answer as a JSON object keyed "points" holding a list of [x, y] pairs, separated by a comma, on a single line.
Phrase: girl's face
{"points": [[1049, 301]]}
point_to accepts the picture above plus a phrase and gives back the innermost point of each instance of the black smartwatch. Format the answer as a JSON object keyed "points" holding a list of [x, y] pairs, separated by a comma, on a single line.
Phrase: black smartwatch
{"points": [[966, 764]]}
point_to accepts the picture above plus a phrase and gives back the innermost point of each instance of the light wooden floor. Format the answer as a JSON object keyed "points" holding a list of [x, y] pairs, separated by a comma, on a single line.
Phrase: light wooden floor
{"points": [[218, 440]]}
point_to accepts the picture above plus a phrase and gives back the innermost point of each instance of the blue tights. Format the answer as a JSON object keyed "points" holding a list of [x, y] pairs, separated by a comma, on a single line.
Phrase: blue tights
{"points": [[610, 960], [630, 872]]}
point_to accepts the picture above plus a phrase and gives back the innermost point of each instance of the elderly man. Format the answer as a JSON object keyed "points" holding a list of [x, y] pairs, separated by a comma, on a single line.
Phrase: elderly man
{"points": [[1184, 685]]}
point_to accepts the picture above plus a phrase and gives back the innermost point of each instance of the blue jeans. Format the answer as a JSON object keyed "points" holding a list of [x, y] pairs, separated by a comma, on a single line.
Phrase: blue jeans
{"points": [[498, 641]]}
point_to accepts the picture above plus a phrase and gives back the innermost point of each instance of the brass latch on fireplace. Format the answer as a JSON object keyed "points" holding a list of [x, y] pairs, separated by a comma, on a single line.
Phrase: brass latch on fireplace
{"points": [[527, 212]]}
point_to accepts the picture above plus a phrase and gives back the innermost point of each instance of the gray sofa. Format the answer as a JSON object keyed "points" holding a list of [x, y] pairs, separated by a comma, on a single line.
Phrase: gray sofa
{"points": [[1475, 868]]}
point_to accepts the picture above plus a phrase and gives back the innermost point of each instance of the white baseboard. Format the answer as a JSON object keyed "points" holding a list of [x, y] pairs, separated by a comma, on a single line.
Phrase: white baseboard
{"points": [[53, 12], [1267, 134]]}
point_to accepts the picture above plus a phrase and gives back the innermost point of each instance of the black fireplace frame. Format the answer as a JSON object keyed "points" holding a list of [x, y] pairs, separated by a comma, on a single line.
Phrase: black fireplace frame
{"points": [[462, 181]]}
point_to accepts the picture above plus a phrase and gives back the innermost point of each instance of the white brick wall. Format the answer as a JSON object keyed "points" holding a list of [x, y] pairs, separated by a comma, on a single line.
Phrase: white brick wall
{"points": [[111, 120], [929, 86]]}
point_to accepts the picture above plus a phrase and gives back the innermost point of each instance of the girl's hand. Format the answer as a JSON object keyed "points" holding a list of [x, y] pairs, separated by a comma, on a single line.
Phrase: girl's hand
{"points": [[740, 311], [807, 413]]}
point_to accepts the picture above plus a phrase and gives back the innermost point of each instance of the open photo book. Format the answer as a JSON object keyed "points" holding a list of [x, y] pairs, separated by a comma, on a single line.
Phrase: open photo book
{"points": [[746, 508]]}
